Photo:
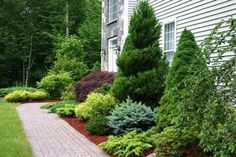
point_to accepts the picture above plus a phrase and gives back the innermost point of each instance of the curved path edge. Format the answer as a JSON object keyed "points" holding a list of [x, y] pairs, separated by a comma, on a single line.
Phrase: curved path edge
{"points": [[50, 136]]}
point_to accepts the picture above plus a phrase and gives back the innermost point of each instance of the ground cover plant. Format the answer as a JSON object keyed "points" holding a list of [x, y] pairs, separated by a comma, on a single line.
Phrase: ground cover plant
{"points": [[21, 96], [66, 111], [13, 141], [142, 67], [130, 116], [5, 91], [52, 107], [131, 144], [90, 82]]}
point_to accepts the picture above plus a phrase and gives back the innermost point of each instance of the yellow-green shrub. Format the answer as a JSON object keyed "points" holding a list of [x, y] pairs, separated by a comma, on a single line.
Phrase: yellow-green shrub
{"points": [[17, 96], [95, 105], [38, 95], [20, 96], [82, 111]]}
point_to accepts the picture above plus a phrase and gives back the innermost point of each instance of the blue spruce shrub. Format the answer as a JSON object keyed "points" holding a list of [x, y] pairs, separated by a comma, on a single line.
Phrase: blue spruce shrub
{"points": [[129, 116]]}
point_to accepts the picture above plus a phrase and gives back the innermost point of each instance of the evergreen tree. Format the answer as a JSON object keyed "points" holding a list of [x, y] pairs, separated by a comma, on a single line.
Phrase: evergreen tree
{"points": [[188, 87], [142, 68]]}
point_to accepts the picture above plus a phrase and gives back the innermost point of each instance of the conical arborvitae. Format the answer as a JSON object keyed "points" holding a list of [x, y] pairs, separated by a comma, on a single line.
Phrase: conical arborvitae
{"points": [[188, 86], [141, 67]]}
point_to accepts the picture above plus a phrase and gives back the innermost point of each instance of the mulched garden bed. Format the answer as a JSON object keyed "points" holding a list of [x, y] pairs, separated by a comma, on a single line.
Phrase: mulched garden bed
{"points": [[80, 126]]}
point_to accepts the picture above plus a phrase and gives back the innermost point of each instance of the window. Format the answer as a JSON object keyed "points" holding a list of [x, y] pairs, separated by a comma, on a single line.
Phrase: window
{"points": [[113, 10], [169, 40]]}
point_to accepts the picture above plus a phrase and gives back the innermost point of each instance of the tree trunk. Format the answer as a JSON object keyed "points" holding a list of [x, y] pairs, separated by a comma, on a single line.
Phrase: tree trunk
{"points": [[30, 62], [67, 18]]}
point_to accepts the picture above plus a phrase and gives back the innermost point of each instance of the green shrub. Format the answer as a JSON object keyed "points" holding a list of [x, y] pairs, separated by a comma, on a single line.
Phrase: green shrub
{"points": [[142, 68], [5, 91], [55, 84], [76, 68], [218, 133], [68, 94], [67, 111], [52, 107], [167, 143], [98, 125], [188, 87], [17, 96], [20, 96], [104, 89], [38, 95], [83, 112], [131, 144], [97, 105], [129, 116]]}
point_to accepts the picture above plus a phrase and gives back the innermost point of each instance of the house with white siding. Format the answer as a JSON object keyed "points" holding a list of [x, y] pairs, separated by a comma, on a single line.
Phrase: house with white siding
{"points": [[199, 16]]}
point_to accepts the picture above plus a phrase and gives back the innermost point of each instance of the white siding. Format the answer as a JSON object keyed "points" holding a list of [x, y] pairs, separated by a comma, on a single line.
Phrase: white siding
{"points": [[132, 4], [196, 15]]}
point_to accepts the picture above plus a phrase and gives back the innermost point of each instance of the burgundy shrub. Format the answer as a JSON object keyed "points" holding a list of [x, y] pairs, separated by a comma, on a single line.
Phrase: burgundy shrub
{"points": [[90, 82]]}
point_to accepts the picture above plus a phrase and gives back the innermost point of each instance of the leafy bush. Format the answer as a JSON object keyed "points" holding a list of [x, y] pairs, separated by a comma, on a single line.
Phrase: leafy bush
{"points": [[83, 111], [167, 143], [76, 68], [55, 83], [20, 96], [5, 91], [38, 95], [131, 144], [142, 68], [67, 111], [68, 94], [97, 105], [70, 46], [104, 89], [98, 125], [60, 104], [218, 132], [91, 82], [129, 116]]}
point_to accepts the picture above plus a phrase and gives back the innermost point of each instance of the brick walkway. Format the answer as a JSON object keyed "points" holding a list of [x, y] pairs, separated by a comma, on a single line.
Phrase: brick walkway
{"points": [[51, 136]]}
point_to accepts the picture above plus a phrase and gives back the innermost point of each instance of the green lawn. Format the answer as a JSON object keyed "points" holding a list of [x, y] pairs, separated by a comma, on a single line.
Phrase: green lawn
{"points": [[13, 141]]}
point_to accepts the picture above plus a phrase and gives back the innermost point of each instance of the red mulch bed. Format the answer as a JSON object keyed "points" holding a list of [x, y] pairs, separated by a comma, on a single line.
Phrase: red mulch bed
{"points": [[80, 126]]}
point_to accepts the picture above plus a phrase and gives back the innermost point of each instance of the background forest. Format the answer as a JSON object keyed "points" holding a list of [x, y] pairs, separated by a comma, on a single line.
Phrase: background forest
{"points": [[34, 34]]}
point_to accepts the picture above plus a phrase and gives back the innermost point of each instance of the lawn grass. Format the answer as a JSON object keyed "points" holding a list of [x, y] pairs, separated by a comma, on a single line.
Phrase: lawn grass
{"points": [[13, 141]]}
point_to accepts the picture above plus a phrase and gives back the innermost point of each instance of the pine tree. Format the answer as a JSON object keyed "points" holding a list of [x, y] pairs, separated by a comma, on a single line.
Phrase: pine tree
{"points": [[142, 68], [188, 86]]}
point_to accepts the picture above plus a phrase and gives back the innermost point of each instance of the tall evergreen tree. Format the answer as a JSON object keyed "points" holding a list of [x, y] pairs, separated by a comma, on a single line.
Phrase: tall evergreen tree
{"points": [[188, 86], [90, 32], [142, 68]]}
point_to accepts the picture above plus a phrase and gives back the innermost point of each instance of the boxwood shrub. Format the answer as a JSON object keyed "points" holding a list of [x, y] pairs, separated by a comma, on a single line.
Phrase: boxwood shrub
{"points": [[98, 125]]}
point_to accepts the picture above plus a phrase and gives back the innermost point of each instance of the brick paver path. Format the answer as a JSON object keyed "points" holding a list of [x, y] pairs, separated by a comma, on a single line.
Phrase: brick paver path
{"points": [[51, 136]]}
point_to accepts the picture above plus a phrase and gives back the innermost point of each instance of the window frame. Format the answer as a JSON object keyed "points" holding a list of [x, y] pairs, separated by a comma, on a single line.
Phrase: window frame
{"points": [[109, 12], [110, 58], [164, 23]]}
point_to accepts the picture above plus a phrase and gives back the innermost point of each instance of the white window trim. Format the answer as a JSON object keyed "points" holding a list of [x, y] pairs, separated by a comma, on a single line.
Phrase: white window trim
{"points": [[110, 62], [165, 22], [109, 13]]}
